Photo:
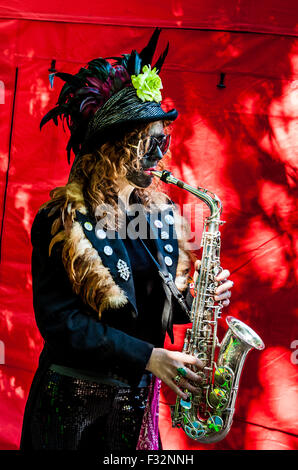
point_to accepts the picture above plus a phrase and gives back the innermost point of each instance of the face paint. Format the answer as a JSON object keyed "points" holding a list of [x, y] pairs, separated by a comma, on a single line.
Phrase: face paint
{"points": [[142, 177]]}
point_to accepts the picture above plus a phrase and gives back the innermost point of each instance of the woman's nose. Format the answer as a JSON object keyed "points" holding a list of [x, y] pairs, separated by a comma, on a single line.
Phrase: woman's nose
{"points": [[157, 154]]}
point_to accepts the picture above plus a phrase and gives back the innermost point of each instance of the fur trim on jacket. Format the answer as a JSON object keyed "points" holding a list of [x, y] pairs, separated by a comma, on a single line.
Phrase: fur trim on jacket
{"points": [[88, 275]]}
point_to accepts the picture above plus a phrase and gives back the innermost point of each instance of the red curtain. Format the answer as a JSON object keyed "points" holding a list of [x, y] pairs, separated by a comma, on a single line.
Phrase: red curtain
{"points": [[239, 141]]}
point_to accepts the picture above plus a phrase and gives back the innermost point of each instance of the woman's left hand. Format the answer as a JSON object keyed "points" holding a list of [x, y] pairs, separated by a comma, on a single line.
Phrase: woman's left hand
{"points": [[222, 292]]}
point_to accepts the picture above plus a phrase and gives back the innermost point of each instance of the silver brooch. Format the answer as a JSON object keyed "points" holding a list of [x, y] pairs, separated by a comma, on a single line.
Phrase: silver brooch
{"points": [[123, 269]]}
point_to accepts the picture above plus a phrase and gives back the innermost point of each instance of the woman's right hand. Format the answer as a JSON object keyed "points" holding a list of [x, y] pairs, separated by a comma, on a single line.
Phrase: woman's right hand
{"points": [[164, 364]]}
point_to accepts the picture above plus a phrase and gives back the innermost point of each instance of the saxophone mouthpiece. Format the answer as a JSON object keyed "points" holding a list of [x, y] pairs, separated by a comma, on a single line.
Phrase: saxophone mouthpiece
{"points": [[163, 175]]}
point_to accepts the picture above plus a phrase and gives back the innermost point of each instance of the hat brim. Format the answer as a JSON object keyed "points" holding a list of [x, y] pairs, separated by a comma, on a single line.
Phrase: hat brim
{"points": [[120, 114]]}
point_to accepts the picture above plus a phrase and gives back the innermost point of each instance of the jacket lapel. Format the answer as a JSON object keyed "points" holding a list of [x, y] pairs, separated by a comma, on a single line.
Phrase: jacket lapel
{"points": [[114, 256], [162, 231]]}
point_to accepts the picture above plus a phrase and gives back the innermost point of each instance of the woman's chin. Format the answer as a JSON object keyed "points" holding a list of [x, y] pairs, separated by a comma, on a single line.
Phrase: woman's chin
{"points": [[140, 180]]}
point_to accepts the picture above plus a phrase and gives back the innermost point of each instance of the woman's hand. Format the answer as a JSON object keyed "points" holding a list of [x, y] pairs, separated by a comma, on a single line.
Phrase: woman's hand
{"points": [[222, 291], [164, 364]]}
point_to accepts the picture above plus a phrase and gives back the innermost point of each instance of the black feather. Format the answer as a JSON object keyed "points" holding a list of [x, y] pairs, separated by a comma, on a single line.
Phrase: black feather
{"points": [[161, 59], [121, 60], [77, 89], [66, 89], [70, 79], [147, 53], [99, 67], [68, 149], [134, 63], [52, 114]]}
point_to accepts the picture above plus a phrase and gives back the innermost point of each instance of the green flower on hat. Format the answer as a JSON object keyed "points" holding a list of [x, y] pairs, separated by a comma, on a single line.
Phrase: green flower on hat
{"points": [[148, 84]]}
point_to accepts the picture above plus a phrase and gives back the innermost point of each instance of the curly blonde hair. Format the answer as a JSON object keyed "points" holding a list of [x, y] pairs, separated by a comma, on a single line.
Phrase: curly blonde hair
{"points": [[95, 175], [94, 182]]}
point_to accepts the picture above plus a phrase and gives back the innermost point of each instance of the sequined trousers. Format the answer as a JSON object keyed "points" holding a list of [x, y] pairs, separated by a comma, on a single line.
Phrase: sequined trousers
{"points": [[75, 414]]}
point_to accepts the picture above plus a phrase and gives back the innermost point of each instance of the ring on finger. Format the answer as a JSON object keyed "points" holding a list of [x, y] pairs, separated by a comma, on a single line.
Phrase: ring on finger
{"points": [[177, 379], [181, 371]]}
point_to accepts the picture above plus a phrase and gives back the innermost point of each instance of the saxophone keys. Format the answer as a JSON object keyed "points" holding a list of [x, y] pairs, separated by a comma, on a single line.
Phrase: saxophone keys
{"points": [[202, 376], [202, 356], [217, 270], [195, 431], [223, 377], [202, 346], [218, 398], [215, 423], [186, 404]]}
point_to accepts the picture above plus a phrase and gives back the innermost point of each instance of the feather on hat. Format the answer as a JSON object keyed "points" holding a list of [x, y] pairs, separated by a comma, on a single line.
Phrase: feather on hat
{"points": [[101, 97]]}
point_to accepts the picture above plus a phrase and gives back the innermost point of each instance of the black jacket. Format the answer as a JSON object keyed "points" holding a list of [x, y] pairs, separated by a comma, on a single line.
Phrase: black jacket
{"points": [[117, 346]]}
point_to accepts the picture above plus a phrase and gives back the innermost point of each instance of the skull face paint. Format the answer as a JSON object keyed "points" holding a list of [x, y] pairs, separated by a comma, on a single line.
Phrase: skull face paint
{"points": [[142, 178]]}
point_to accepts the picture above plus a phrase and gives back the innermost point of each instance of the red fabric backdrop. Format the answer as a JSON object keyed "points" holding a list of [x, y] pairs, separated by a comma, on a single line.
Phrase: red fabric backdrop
{"points": [[238, 141]]}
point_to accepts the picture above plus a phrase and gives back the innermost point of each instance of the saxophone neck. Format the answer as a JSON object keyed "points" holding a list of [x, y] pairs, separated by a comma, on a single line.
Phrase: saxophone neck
{"points": [[212, 201]]}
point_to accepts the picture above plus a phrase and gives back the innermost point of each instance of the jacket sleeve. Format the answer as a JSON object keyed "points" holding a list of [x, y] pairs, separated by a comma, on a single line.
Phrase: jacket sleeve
{"points": [[74, 338]]}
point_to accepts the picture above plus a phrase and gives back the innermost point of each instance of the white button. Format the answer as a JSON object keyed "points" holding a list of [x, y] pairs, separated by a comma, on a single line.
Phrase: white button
{"points": [[169, 219], [108, 250], [164, 235], [158, 223], [168, 261], [100, 233], [169, 248], [88, 226]]}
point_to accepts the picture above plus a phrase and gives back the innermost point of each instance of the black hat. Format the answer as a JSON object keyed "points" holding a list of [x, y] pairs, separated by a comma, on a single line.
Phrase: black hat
{"points": [[103, 99]]}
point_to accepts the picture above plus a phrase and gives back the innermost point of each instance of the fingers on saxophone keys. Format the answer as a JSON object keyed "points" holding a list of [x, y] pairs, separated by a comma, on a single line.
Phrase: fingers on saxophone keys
{"points": [[172, 384], [179, 392], [191, 376], [180, 386], [197, 264], [184, 384], [224, 274], [224, 296], [192, 360], [224, 287]]}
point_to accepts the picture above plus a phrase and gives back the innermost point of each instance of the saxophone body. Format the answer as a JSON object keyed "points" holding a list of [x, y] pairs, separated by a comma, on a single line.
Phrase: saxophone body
{"points": [[207, 416]]}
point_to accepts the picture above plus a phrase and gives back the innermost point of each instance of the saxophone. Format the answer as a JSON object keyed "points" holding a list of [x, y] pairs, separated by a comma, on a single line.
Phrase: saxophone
{"points": [[207, 416]]}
